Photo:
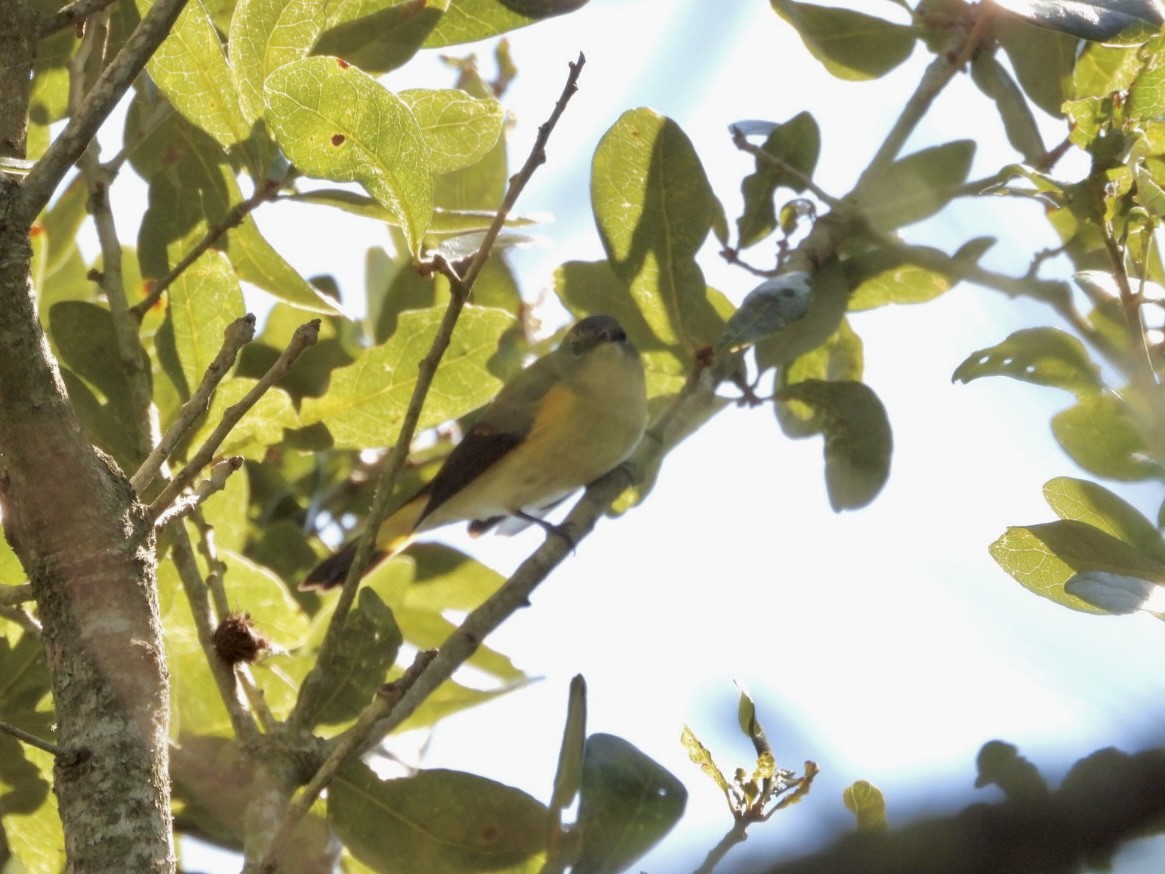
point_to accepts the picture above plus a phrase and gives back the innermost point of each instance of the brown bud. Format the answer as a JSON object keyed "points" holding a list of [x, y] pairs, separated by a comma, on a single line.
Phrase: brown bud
{"points": [[237, 640]]}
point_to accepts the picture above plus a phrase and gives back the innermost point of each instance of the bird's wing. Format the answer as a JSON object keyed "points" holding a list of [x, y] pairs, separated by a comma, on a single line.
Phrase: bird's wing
{"points": [[503, 425]]}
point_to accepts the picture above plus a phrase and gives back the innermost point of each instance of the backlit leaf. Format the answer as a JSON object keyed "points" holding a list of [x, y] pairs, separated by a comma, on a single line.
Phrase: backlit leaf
{"points": [[336, 122], [439, 822], [851, 45], [1044, 356]]}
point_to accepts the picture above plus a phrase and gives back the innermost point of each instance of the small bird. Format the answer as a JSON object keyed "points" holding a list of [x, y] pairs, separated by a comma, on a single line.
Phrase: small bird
{"points": [[560, 424]]}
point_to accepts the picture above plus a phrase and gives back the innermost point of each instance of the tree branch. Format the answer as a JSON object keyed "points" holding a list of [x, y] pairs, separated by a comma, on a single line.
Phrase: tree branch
{"points": [[67, 148], [238, 334], [460, 288], [71, 15], [1108, 798], [234, 217], [305, 336]]}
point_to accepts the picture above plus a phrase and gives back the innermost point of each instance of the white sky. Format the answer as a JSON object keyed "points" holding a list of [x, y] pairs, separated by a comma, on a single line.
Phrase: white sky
{"points": [[883, 644]]}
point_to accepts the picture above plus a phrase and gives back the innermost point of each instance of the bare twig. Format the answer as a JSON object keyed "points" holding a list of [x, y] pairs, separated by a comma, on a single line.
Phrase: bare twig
{"points": [[132, 359], [12, 596], [67, 148], [220, 471], [19, 616], [234, 217], [31, 739], [238, 334], [938, 74], [353, 740], [738, 834], [71, 15], [784, 167], [204, 622], [460, 287], [305, 336]]}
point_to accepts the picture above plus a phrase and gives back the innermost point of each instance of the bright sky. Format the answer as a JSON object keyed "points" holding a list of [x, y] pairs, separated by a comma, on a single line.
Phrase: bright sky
{"points": [[884, 644]]}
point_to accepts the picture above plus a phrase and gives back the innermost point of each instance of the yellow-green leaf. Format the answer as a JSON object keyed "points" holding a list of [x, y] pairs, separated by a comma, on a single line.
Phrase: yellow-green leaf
{"points": [[265, 35], [191, 69], [458, 129], [336, 122], [654, 207], [366, 400], [439, 822], [850, 45], [204, 300]]}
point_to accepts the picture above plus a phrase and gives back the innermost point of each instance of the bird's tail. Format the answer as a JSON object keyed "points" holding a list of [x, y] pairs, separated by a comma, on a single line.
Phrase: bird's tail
{"points": [[395, 534]]}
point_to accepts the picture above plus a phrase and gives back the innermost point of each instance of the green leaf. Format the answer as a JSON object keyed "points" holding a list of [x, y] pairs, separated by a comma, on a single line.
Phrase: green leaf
{"points": [[439, 822], [841, 357], [265, 35], [336, 122], [377, 35], [191, 70], [192, 187], [858, 441], [366, 650], [915, 187], [1044, 356], [850, 45], [34, 836], [472, 20], [1018, 122], [87, 343], [204, 301], [1043, 558], [254, 589], [1101, 435], [366, 401], [865, 801], [797, 142], [1043, 61], [879, 278], [261, 427], [654, 207], [1095, 505], [629, 802], [458, 129], [568, 775], [1103, 69]]}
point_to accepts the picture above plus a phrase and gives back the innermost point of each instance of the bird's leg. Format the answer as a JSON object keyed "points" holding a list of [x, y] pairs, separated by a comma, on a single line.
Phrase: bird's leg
{"points": [[548, 527]]}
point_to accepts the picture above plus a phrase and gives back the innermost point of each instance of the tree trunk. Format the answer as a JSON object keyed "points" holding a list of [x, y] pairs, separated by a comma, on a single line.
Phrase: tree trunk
{"points": [[76, 525]]}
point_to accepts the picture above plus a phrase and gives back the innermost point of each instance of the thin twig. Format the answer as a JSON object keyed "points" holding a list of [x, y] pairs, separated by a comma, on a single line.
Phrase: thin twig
{"points": [[220, 471], [238, 334], [12, 596], [305, 336], [233, 218], [783, 167], [109, 88], [738, 834], [204, 622], [132, 359], [215, 567], [71, 15], [31, 739], [460, 287], [938, 74], [20, 616], [353, 740]]}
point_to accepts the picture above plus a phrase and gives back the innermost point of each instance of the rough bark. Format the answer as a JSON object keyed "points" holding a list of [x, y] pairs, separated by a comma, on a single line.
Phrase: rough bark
{"points": [[73, 520]]}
